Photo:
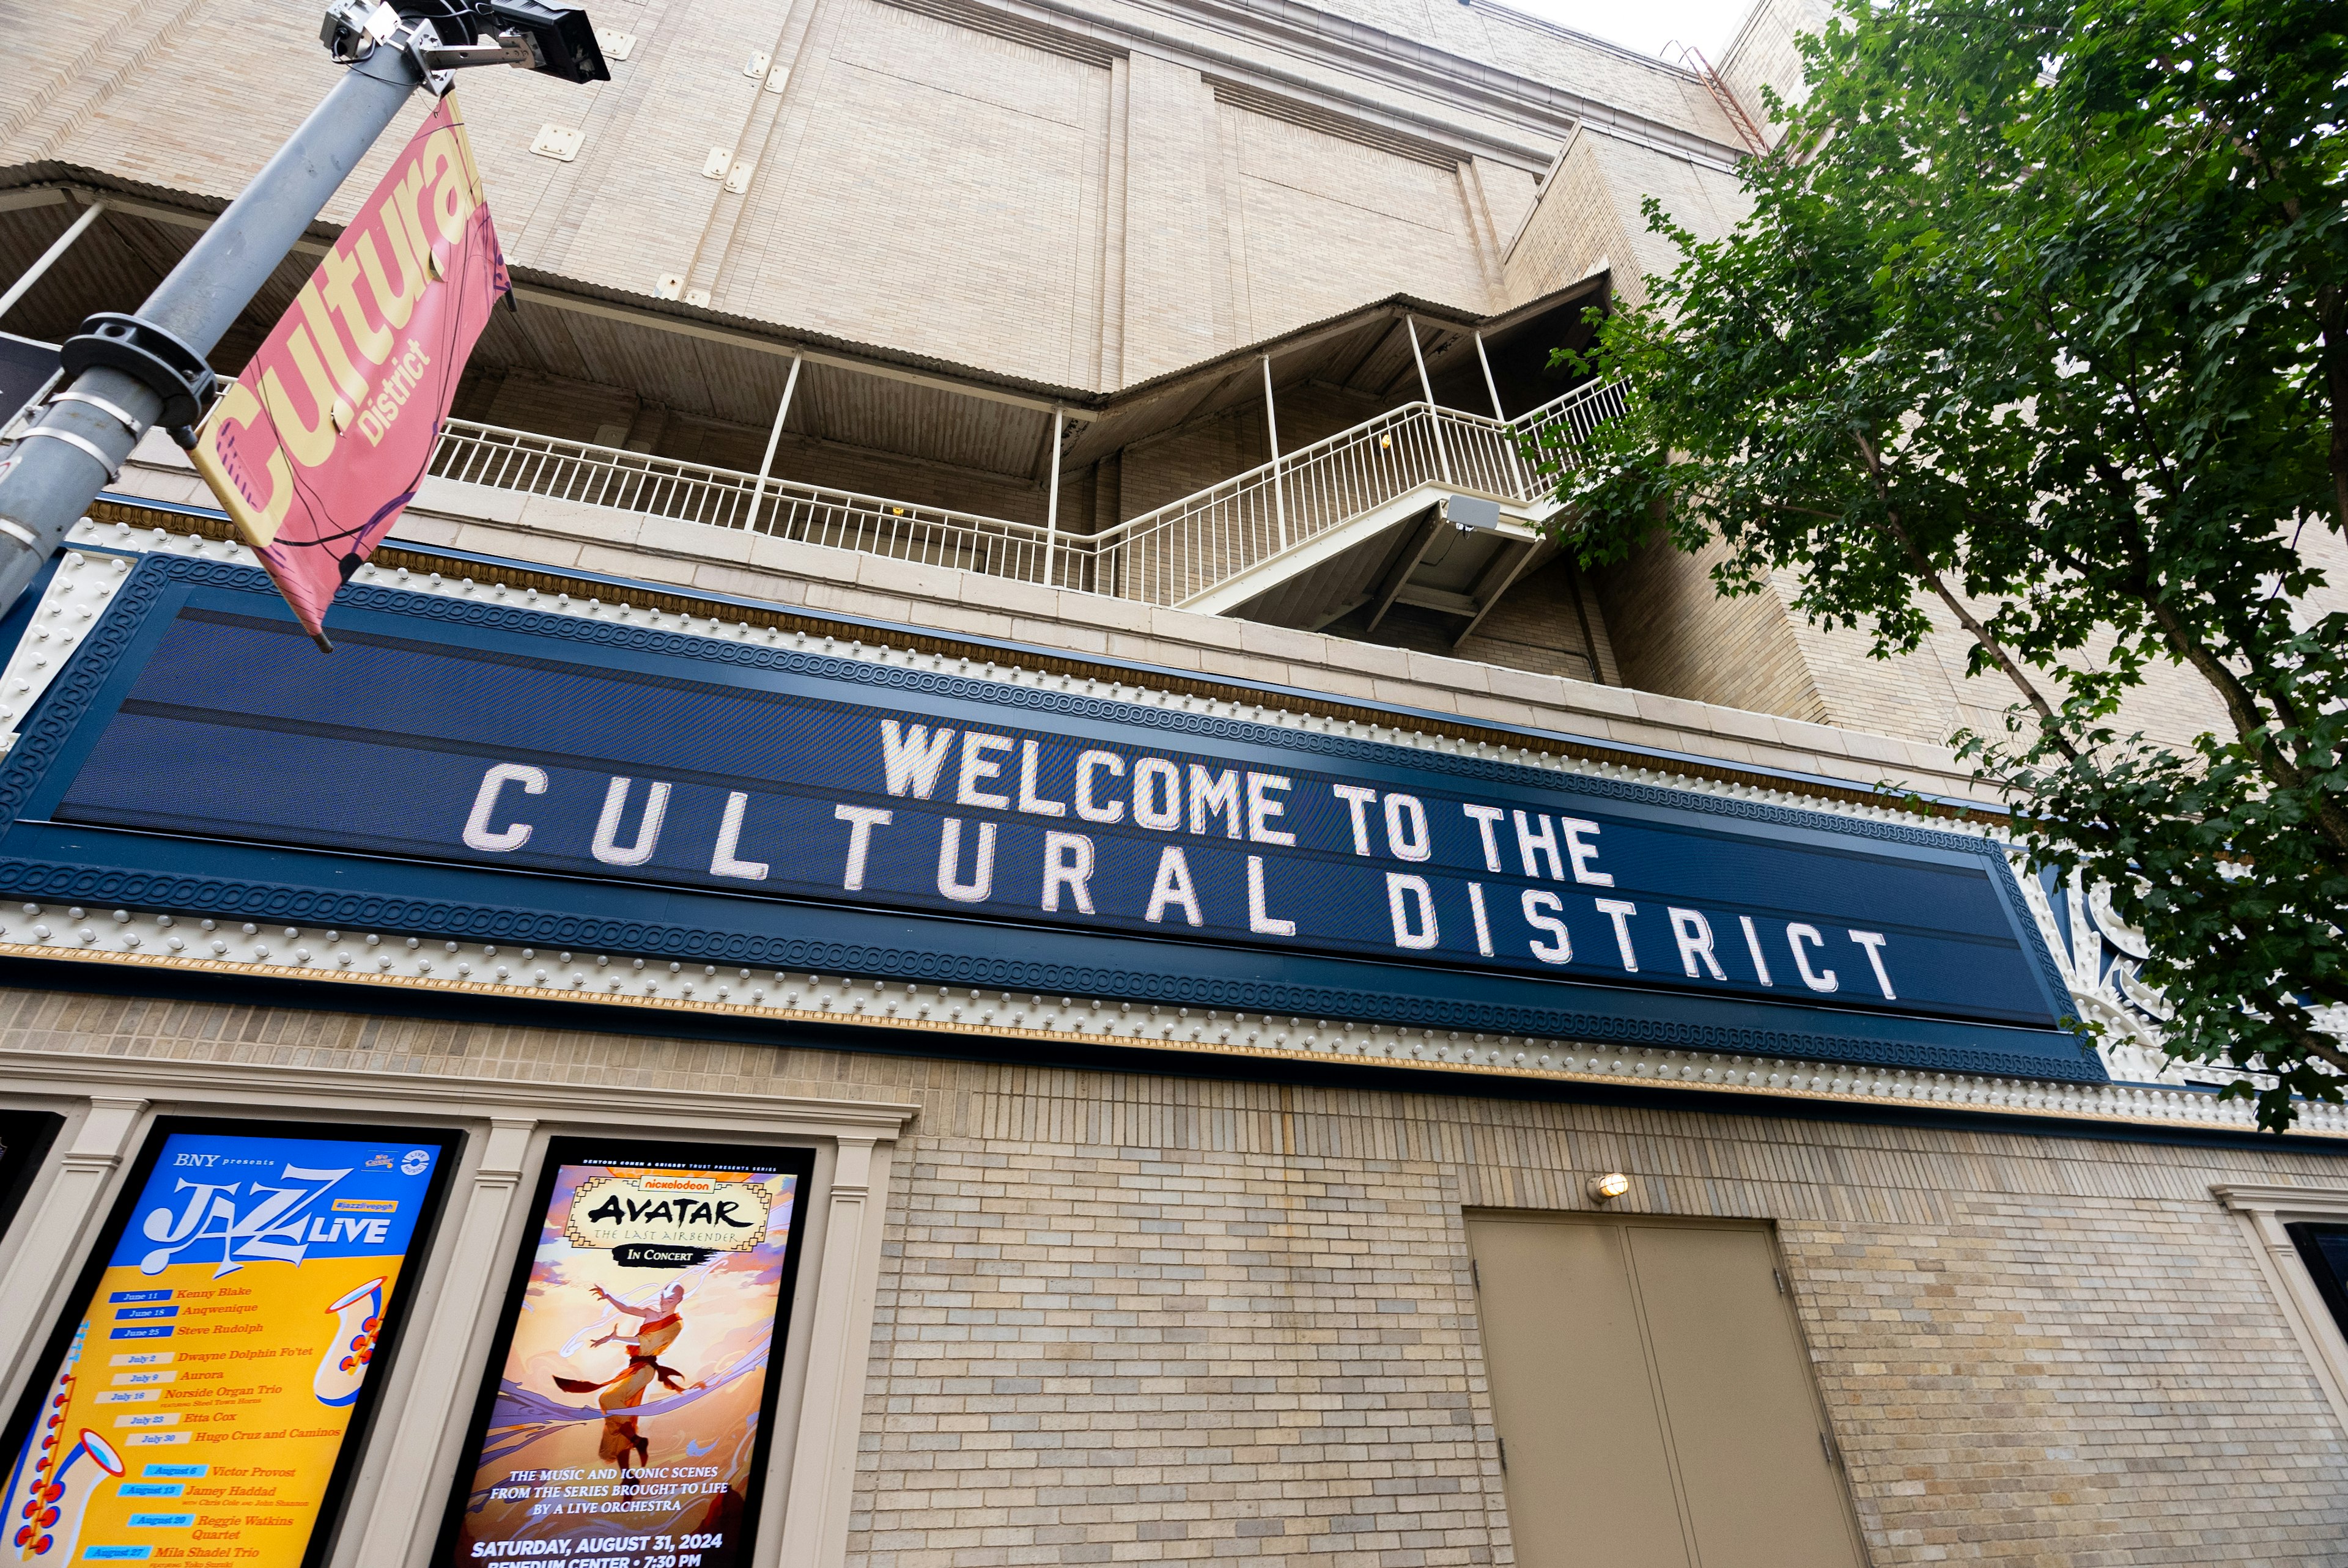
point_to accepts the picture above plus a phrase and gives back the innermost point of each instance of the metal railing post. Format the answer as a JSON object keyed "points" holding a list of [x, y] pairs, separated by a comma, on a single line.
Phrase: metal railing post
{"points": [[38, 269], [1434, 415], [1508, 435], [1052, 505], [767, 463], [1271, 437]]}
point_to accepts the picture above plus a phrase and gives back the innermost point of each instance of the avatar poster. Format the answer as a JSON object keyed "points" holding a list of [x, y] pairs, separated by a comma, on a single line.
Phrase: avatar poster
{"points": [[637, 1366], [244, 1296]]}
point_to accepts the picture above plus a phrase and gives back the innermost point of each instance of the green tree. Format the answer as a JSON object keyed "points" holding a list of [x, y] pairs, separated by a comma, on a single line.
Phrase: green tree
{"points": [[2040, 314]]}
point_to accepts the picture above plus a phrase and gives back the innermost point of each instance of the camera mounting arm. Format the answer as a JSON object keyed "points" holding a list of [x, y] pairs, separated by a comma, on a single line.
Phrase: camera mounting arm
{"points": [[443, 36]]}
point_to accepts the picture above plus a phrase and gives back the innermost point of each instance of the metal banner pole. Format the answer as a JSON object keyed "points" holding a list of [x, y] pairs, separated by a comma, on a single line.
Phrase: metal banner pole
{"points": [[129, 373]]}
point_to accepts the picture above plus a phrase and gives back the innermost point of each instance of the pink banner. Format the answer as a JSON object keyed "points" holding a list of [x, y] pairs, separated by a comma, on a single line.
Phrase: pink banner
{"points": [[318, 447]]}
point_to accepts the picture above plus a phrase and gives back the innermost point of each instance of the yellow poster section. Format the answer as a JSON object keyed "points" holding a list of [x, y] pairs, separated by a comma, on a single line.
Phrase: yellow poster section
{"points": [[223, 1429]]}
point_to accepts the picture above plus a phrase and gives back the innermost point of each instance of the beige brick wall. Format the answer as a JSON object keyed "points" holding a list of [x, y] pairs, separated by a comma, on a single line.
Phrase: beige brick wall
{"points": [[918, 183], [942, 192], [1539, 625], [1675, 634], [1763, 54], [1129, 1318]]}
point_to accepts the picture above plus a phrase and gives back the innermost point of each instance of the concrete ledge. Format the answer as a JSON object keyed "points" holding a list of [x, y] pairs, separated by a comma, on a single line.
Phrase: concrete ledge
{"points": [[544, 531]]}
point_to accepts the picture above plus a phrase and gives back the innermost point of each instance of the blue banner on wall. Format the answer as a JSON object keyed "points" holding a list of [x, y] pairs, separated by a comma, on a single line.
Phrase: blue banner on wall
{"points": [[503, 774]]}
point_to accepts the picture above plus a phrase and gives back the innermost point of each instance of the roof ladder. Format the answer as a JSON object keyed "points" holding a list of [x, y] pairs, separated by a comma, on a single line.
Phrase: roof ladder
{"points": [[1748, 129]]}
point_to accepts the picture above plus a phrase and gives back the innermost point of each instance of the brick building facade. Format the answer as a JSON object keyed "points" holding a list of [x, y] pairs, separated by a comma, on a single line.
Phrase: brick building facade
{"points": [[1136, 363]]}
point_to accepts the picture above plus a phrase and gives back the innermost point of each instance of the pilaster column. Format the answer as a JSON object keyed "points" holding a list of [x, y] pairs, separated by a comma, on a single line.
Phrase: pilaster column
{"points": [[405, 1509], [831, 1413], [56, 1228]]}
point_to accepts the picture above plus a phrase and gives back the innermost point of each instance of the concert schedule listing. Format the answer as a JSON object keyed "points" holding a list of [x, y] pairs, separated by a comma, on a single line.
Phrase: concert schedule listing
{"points": [[197, 1411], [634, 1366]]}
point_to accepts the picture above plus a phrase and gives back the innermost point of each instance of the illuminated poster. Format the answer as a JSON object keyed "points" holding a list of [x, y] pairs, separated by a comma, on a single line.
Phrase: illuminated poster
{"points": [[197, 1408], [633, 1379]]}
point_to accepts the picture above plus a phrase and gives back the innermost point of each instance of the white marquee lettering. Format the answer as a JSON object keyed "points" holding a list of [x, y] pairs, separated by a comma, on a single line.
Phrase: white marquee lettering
{"points": [[1873, 942], [909, 761], [1172, 890], [607, 826], [1156, 795], [1582, 854], [862, 821], [1212, 795], [479, 835], [1817, 979], [1692, 933], [1485, 816], [1542, 912], [1406, 836], [1357, 801], [1263, 808], [975, 766], [1620, 913], [1029, 801], [1067, 865], [1087, 806], [1260, 920], [725, 862], [1410, 905], [982, 879]]}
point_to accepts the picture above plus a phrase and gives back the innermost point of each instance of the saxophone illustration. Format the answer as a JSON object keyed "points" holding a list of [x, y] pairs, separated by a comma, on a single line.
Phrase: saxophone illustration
{"points": [[50, 1518], [358, 1319]]}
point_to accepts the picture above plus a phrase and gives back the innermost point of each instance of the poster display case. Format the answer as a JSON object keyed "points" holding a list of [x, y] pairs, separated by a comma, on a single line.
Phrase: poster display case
{"points": [[629, 1406], [206, 1396]]}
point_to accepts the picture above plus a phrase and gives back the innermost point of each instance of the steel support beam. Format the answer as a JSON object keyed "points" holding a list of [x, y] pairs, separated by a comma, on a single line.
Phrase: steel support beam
{"points": [[38, 269], [1052, 506], [1271, 435], [1414, 552], [1426, 390], [767, 463], [1486, 601]]}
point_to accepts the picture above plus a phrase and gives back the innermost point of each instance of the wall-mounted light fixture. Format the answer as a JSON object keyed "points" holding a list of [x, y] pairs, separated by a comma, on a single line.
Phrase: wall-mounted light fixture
{"points": [[1608, 1187]]}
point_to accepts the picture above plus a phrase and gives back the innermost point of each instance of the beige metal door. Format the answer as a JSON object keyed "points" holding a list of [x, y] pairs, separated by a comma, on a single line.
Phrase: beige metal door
{"points": [[1652, 1394]]}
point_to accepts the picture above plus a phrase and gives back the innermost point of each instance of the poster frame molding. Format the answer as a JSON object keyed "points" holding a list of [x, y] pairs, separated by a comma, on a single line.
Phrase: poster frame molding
{"points": [[798, 1158], [326, 1522]]}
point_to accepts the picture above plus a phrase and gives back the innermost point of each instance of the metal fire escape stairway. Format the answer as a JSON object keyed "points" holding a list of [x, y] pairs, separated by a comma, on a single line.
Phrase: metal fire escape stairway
{"points": [[1422, 505]]}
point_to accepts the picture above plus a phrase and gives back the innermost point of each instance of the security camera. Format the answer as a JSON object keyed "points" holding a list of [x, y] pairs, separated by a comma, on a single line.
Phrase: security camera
{"points": [[561, 38]]}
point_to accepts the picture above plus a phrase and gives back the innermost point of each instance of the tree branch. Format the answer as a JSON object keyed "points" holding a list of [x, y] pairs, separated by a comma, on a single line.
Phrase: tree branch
{"points": [[1921, 565], [2331, 311]]}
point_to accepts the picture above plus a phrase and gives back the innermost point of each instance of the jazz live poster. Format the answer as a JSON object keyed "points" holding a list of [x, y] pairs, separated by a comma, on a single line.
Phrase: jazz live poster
{"points": [[633, 1377], [197, 1405]]}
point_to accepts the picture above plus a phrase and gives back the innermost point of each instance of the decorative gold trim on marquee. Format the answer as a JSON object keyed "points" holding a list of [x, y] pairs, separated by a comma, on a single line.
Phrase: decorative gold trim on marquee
{"points": [[1696, 1071]]}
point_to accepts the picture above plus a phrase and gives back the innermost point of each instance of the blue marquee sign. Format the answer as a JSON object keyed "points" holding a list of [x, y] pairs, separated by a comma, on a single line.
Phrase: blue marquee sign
{"points": [[503, 774]]}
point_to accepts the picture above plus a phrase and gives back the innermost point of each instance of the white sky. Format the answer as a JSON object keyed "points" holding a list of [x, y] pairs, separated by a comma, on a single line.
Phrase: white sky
{"points": [[1645, 25]]}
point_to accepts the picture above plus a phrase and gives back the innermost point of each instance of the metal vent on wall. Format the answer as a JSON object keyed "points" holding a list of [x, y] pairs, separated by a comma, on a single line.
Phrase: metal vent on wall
{"points": [[1328, 122], [1016, 28]]}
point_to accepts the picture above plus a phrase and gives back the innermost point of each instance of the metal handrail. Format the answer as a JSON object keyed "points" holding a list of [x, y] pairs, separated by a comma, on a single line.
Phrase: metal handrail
{"points": [[638, 482], [1165, 555], [1189, 546]]}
